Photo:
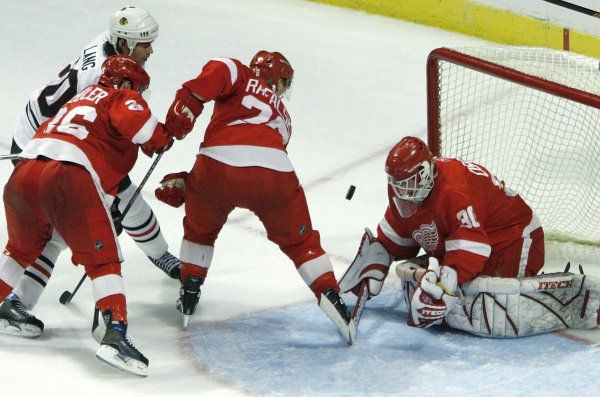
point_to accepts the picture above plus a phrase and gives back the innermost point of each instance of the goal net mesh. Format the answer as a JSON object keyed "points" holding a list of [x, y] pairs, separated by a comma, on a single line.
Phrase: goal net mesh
{"points": [[532, 117]]}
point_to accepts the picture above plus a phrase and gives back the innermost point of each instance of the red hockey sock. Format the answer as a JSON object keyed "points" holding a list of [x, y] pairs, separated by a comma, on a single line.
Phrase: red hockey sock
{"points": [[5, 289], [188, 269], [116, 304], [323, 283]]}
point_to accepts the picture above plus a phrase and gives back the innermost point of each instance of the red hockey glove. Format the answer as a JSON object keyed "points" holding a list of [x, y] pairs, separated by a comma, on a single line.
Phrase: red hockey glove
{"points": [[434, 297], [149, 150], [172, 189], [160, 141], [182, 113]]}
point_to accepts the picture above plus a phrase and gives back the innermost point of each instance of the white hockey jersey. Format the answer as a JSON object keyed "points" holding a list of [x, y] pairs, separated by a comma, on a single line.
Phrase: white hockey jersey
{"points": [[45, 102]]}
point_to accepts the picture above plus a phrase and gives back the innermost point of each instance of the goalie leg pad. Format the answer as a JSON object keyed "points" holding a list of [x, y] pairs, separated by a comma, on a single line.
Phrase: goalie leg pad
{"points": [[408, 290], [372, 262], [508, 307]]}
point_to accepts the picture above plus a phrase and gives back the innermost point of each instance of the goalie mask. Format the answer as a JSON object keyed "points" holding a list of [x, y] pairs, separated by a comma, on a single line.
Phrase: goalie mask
{"points": [[119, 68], [133, 24], [275, 69], [410, 170]]}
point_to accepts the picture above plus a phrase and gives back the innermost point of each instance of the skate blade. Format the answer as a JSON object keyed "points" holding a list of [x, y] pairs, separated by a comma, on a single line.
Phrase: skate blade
{"points": [[346, 330], [110, 355], [186, 319], [22, 330]]}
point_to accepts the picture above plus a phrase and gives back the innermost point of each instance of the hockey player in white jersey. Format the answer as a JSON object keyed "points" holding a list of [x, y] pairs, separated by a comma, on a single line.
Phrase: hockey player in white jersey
{"points": [[131, 31]]}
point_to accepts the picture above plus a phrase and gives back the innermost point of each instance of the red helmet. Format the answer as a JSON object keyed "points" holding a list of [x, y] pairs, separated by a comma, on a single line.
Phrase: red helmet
{"points": [[410, 169], [122, 67], [273, 66]]}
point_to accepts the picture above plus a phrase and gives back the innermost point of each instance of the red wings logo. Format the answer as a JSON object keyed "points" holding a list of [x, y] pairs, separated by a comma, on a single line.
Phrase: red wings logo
{"points": [[427, 237]]}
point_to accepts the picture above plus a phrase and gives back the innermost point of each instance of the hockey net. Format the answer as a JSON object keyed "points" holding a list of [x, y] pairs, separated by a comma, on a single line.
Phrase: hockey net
{"points": [[532, 117]]}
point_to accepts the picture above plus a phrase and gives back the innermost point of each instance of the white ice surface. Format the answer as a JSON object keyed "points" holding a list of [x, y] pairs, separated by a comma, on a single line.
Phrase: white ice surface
{"points": [[359, 87]]}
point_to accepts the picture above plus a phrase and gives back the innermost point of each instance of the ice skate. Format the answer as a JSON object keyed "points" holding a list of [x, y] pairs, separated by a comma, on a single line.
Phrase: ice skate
{"points": [[189, 295], [169, 264], [15, 320], [335, 308], [117, 350]]}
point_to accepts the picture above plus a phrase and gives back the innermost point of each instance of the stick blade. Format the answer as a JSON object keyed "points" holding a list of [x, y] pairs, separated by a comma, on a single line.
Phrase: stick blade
{"points": [[361, 302]]}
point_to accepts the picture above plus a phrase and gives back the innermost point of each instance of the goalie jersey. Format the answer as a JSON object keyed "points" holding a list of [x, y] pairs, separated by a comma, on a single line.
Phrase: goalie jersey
{"points": [[45, 102], [98, 129], [468, 218]]}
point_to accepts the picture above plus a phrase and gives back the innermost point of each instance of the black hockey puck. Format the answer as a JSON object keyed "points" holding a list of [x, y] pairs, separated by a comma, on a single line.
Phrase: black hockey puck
{"points": [[65, 298], [350, 192]]}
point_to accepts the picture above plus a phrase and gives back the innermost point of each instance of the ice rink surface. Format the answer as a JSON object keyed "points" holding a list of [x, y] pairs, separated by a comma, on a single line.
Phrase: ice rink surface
{"points": [[359, 87]]}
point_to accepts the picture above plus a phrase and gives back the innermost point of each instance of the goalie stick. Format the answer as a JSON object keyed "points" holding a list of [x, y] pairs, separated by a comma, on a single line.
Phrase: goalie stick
{"points": [[408, 273], [67, 296], [361, 302]]}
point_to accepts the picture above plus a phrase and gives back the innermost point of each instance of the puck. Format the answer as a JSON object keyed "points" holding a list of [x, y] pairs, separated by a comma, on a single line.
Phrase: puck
{"points": [[65, 298], [350, 192]]}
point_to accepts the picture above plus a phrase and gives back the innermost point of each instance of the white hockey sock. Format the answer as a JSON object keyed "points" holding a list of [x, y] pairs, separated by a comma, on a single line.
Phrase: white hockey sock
{"points": [[141, 224], [315, 268], [196, 254], [36, 276], [10, 270]]}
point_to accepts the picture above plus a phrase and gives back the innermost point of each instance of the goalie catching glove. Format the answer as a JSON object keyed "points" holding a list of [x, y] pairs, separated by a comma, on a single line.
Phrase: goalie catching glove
{"points": [[183, 112], [434, 296], [172, 189], [372, 263]]}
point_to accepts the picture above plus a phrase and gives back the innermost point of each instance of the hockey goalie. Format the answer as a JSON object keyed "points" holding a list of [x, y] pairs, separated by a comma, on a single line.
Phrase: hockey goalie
{"points": [[484, 248]]}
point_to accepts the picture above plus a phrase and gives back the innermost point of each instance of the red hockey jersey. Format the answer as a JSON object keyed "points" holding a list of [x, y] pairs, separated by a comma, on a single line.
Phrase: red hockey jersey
{"points": [[468, 216], [100, 129], [250, 125]]}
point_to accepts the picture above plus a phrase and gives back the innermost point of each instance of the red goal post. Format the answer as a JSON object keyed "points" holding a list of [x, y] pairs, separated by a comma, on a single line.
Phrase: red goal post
{"points": [[532, 117]]}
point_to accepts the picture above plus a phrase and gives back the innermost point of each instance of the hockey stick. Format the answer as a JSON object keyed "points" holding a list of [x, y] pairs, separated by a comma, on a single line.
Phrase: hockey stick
{"points": [[9, 156], [402, 270], [361, 302], [67, 296], [406, 273]]}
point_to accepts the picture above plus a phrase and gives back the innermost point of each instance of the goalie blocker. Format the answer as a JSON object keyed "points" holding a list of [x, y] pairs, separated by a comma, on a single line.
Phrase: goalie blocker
{"points": [[500, 307]]}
